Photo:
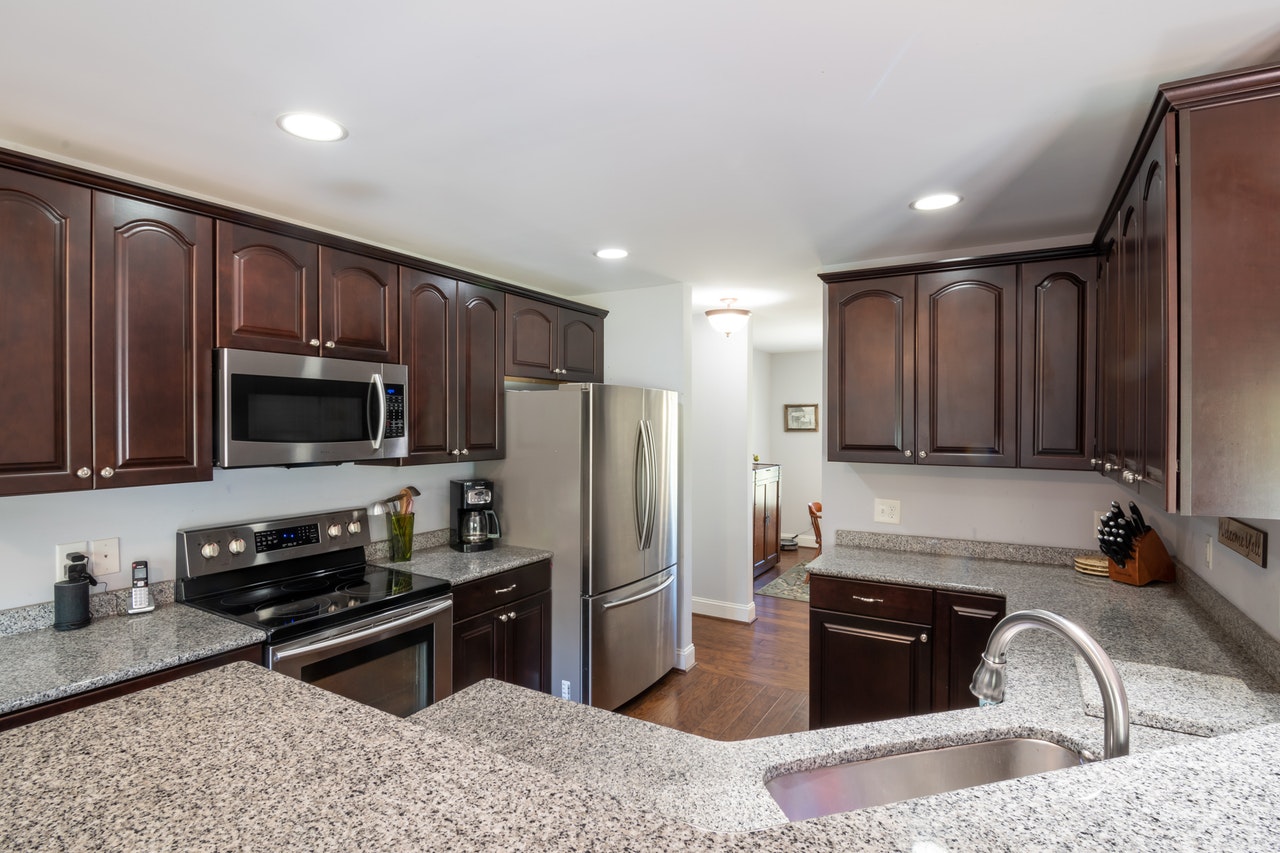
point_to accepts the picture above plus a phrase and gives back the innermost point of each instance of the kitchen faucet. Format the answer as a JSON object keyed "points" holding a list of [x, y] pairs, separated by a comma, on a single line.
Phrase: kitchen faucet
{"points": [[988, 678]]}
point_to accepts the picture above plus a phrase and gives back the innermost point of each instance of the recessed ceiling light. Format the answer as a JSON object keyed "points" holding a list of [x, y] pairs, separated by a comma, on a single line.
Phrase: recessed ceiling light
{"points": [[611, 254], [317, 128], [938, 201]]}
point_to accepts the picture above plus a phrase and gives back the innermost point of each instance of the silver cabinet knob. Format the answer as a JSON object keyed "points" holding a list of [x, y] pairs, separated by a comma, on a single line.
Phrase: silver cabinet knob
{"points": [[84, 473], [329, 345], [236, 546], [511, 615], [924, 638], [906, 453], [315, 342], [503, 617], [924, 453], [1094, 463], [466, 452], [455, 452], [1108, 467], [209, 550], [1130, 476], [108, 472]]}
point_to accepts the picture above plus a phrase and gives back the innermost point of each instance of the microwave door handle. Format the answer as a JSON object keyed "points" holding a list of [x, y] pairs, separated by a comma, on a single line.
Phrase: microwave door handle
{"points": [[381, 391]]}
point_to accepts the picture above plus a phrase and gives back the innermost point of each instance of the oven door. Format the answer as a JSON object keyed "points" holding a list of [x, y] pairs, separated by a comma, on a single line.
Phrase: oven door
{"points": [[399, 662]]}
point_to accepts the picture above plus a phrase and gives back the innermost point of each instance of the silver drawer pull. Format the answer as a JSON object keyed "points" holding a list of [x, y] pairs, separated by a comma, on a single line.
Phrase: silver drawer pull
{"points": [[511, 588], [867, 600]]}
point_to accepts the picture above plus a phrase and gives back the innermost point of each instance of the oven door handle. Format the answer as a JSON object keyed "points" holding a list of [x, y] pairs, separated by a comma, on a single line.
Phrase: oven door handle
{"points": [[412, 620]]}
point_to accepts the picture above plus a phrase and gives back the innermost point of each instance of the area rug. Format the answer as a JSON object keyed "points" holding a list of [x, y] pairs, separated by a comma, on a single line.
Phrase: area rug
{"points": [[790, 584]]}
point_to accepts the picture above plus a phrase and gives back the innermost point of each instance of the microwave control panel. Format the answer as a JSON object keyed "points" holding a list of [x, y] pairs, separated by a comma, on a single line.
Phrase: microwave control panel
{"points": [[395, 411]]}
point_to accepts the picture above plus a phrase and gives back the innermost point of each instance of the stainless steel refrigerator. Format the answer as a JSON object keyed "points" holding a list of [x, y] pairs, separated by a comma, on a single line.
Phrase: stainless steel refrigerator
{"points": [[590, 474]]}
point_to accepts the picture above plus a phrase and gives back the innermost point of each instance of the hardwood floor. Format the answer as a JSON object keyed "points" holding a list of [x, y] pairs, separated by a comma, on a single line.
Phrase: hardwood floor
{"points": [[749, 680]]}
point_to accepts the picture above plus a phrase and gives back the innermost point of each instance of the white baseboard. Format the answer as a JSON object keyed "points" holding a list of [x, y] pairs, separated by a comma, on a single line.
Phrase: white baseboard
{"points": [[685, 658], [806, 540], [725, 610]]}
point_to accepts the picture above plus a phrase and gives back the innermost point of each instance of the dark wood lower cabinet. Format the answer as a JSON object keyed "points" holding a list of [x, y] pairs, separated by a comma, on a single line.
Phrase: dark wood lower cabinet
{"points": [[511, 641], [252, 654], [880, 651]]}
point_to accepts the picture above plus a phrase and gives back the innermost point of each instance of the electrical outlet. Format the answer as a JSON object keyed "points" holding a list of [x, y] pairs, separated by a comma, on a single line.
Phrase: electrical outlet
{"points": [[564, 689], [1208, 552], [104, 558], [60, 553], [888, 512]]}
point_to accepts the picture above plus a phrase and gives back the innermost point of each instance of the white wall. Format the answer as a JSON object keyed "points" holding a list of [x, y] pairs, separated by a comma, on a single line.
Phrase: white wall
{"points": [[988, 504], [760, 385], [145, 519], [1251, 588], [797, 378], [647, 344], [720, 468]]}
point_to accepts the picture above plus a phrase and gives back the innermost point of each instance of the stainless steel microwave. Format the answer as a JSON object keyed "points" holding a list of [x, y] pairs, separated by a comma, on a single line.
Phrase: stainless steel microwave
{"points": [[275, 409]]}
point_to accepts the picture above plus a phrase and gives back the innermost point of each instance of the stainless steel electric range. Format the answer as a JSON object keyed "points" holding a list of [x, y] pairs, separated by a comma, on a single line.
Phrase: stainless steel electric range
{"points": [[375, 634]]}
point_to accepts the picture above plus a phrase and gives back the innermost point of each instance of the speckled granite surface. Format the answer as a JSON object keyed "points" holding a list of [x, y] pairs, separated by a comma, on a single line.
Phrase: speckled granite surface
{"points": [[40, 666], [1045, 554], [718, 785], [317, 772], [113, 602], [458, 568]]}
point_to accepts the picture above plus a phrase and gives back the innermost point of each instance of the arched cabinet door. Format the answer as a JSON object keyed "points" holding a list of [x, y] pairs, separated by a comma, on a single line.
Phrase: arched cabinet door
{"points": [[871, 412], [966, 367], [359, 307], [581, 346], [46, 436], [268, 296], [429, 311], [152, 343], [482, 314], [531, 339], [1058, 363]]}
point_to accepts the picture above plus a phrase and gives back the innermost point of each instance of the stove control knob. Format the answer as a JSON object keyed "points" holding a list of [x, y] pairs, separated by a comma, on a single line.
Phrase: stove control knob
{"points": [[335, 530], [209, 550], [236, 546], [353, 527]]}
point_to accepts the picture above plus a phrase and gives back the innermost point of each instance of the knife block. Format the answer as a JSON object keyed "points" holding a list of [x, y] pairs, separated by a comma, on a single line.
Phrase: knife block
{"points": [[1150, 562]]}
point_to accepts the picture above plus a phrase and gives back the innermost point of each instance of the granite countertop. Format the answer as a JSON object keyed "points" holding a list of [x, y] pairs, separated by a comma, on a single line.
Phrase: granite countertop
{"points": [[458, 568], [207, 769], [1175, 660], [44, 665]]}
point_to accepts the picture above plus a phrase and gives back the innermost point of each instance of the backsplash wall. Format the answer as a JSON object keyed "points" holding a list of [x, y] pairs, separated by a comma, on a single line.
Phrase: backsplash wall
{"points": [[146, 518]]}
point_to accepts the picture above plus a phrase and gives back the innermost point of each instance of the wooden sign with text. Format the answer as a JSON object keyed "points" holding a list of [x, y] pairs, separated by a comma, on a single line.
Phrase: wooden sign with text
{"points": [[1249, 542]]}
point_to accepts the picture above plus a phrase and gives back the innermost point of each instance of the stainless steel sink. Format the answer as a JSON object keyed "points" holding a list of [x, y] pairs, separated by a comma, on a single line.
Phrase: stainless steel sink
{"points": [[893, 778]]}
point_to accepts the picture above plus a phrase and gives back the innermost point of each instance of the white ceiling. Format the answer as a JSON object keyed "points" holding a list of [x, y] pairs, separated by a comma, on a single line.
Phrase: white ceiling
{"points": [[739, 146]]}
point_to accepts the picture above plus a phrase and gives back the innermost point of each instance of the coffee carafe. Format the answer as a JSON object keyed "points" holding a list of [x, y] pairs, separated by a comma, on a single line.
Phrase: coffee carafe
{"points": [[473, 523]]}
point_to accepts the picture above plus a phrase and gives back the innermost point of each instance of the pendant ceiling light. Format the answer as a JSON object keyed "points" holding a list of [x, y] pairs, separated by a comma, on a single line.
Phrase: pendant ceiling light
{"points": [[728, 319]]}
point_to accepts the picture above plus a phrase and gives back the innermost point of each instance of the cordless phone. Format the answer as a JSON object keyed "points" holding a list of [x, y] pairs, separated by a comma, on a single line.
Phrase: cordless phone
{"points": [[140, 600]]}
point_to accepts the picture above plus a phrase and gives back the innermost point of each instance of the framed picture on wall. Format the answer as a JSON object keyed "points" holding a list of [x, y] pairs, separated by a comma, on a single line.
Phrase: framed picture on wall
{"points": [[800, 417]]}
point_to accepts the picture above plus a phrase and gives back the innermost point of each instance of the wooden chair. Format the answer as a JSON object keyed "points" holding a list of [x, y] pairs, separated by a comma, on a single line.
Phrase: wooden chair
{"points": [[815, 515]]}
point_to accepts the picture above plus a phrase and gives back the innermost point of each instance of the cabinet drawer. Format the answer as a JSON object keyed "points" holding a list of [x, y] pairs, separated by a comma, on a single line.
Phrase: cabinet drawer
{"points": [[476, 597], [867, 598]]}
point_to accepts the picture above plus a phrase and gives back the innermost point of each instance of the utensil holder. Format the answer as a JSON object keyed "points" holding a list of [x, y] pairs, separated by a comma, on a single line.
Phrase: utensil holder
{"points": [[400, 536], [1150, 562]]}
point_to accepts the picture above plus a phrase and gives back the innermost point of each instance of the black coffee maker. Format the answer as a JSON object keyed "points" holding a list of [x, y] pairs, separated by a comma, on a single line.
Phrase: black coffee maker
{"points": [[473, 525]]}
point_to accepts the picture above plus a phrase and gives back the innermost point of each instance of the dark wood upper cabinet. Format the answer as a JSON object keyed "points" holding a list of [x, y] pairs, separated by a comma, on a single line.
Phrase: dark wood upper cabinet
{"points": [[545, 341], [966, 367], [152, 343], [871, 370], [283, 294], [1058, 364], [46, 435], [453, 340], [359, 306], [268, 291]]}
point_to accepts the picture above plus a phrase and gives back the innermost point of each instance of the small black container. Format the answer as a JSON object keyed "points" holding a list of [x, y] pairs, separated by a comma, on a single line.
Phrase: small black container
{"points": [[71, 604]]}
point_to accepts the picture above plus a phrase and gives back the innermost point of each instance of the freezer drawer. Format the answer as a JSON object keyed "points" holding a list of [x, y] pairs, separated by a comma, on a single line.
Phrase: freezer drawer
{"points": [[630, 636]]}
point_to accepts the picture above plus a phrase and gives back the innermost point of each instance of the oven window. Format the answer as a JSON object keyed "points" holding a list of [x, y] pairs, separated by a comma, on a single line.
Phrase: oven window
{"points": [[393, 675], [310, 411]]}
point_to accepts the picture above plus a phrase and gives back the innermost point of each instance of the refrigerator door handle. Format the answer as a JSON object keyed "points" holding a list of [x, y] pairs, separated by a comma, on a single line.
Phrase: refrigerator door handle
{"points": [[640, 596], [640, 486], [651, 484]]}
